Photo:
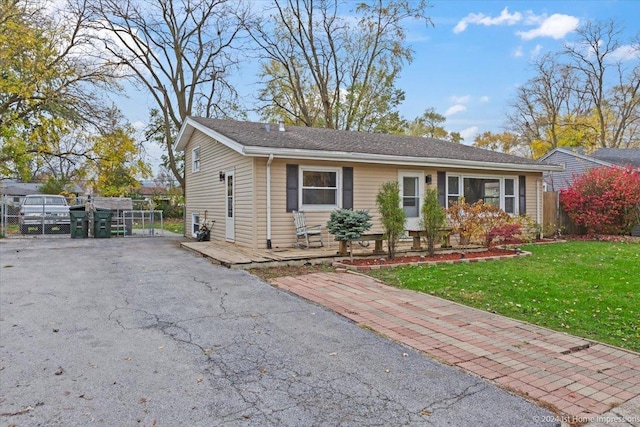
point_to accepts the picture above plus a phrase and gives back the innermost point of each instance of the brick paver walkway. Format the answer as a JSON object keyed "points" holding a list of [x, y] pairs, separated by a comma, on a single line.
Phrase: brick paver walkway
{"points": [[578, 377]]}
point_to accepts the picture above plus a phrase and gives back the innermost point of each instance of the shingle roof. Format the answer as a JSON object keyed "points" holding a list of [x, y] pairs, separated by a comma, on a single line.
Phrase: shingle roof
{"points": [[618, 156], [319, 139]]}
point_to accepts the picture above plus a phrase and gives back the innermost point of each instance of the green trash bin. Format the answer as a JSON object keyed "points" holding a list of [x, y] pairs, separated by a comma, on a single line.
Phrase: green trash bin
{"points": [[79, 222], [102, 223]]}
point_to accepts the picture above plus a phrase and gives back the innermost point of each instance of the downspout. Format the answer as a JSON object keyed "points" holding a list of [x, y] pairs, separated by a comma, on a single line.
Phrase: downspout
{"points": [[269, 201]]}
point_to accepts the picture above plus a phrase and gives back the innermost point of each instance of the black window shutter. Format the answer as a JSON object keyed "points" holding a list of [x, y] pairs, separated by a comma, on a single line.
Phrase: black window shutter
{"points": [[347, 188], [292, 188], [442, 188], [522, 194]]}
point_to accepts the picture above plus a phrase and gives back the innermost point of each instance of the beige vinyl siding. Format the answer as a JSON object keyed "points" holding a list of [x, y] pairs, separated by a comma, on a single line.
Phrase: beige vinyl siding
{"points": [[367, 179], [206, 193]]}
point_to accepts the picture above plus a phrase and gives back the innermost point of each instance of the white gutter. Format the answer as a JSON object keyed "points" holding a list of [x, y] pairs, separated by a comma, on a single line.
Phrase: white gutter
{"points": [[269, 201], [287, 153]]}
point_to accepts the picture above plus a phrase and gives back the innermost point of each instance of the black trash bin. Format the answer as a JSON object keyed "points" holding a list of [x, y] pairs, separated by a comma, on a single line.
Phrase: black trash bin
{"points": [[79, 222], [102, 223]]}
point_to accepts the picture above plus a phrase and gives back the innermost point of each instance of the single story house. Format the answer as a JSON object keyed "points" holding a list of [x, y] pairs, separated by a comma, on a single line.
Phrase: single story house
{"points": [[248, 177], [576, 161]]}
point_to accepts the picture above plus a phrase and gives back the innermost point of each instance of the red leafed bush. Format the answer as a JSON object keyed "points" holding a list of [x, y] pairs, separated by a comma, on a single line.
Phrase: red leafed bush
{"points": [[503, 233], [604, 200]]}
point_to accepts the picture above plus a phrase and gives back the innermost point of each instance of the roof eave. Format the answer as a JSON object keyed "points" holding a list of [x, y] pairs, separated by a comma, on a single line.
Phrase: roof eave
{"points": [[577, 155], [189, 125], [287, 153]]}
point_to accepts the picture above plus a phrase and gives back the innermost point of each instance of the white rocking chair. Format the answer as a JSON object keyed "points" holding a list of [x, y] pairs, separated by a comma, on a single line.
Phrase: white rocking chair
{"points": [[305, 235]]}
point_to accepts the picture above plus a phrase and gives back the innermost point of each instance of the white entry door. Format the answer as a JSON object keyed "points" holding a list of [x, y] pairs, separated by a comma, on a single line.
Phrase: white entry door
{"points": [[411, 194], [229, 207]]}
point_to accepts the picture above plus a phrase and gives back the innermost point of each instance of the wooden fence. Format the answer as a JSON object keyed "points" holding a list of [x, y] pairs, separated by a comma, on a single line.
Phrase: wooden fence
{"points": [[555, 218]]}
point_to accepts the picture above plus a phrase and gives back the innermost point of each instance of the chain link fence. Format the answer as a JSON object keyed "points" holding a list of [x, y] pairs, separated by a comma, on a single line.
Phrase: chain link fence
{"points": [[47, 215]]}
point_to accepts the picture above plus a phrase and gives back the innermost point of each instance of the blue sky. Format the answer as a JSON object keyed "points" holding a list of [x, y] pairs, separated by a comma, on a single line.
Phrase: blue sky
{"points": [[469, 64]]}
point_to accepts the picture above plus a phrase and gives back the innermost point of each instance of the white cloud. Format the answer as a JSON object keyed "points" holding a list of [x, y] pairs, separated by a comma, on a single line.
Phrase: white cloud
{"points": [[455, 109], [626, 53], [505, 18], [139, 125], [536, 50], [555, 26], [484, 98], [468, 134], [460, 99], [518, 53]]}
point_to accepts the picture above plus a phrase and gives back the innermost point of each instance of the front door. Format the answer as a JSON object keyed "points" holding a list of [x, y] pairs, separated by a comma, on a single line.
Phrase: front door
{"points": [[229, 207], [411, 191]]}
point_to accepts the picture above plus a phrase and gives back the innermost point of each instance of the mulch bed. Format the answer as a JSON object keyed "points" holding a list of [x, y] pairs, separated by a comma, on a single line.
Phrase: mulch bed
{"points": [[453, 257]]}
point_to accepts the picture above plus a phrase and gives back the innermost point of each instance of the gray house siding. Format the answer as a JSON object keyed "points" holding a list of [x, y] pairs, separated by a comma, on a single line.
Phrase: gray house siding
{"points": [[574, 166]]}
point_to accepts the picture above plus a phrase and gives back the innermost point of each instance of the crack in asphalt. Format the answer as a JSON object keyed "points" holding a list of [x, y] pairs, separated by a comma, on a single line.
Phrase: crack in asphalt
{"points": [[449, 402]]}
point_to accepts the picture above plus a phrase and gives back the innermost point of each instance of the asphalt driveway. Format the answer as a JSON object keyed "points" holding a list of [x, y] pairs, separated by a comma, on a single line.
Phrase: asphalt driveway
{"points": [[126, 332]]}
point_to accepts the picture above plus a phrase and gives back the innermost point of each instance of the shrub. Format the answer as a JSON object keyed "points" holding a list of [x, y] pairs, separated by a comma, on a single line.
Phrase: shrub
{"points": [[474, 221], [502, 233], [170, 208], [604, 200], [348, 225], [433, 218], [392, 214]]}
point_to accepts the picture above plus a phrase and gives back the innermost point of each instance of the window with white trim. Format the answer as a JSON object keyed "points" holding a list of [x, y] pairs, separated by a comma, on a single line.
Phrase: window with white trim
{"points": [[510, 196], [319, 188], [493, 190], [195, 223], [453, 189], [195, 159]]}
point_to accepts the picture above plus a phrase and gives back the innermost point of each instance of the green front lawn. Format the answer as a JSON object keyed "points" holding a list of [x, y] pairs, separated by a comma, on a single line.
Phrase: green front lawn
{"points": [[588, 289]]}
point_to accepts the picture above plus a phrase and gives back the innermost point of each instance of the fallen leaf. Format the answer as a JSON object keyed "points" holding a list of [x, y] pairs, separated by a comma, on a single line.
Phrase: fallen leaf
{"points": [[208, 351], [143, 400], [425, 411], [199, 380]]}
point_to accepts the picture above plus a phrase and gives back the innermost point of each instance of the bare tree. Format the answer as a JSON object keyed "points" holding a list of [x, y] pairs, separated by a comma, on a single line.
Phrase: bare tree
{"points": [[546, 104], [326, 70], [586, 95], [615, 100], [181, 52]]}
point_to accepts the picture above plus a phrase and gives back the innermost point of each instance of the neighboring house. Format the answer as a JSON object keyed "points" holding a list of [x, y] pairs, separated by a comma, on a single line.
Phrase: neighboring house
{"points": [[16, 191], [577, 161], [248, 177]]}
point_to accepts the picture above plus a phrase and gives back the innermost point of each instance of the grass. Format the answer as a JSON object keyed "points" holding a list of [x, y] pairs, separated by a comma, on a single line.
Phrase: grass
{"points": [[174, 225], [588, 289]]}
